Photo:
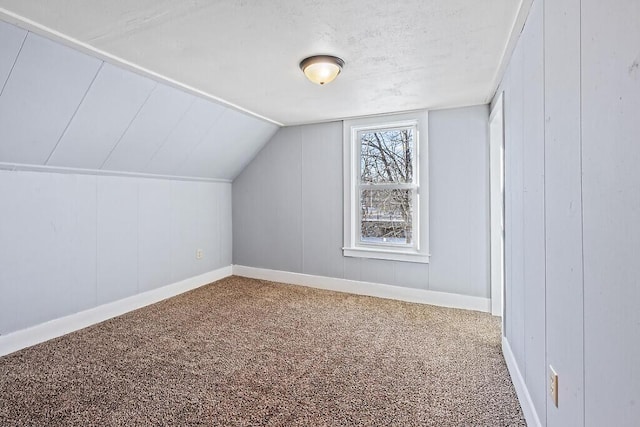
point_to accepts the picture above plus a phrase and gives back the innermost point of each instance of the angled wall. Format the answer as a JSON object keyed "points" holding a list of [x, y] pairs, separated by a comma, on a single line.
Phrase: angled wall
{"points": [[288, 208], [109, 181], [60, 108]]}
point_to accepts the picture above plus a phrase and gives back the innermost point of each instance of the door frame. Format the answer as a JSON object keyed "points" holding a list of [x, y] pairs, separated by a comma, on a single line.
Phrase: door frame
{"points": [[496, 203]]}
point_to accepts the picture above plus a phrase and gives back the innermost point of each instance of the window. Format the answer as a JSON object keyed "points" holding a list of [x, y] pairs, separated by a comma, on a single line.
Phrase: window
{"points": [[385, 189]]}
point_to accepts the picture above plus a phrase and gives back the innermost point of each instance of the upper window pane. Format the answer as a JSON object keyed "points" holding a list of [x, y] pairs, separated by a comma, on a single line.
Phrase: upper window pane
{"points": [[386, 156]]}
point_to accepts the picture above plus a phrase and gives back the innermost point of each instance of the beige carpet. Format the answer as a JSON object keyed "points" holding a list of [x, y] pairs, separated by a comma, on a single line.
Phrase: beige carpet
{"points": [[243, 352]]}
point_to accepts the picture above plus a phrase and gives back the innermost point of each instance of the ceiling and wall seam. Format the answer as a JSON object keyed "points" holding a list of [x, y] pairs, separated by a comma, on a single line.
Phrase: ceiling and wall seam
{"points": [[509, 47], [116, 61], [418, 54], [207, 137], [114, 122], [66, 128]]}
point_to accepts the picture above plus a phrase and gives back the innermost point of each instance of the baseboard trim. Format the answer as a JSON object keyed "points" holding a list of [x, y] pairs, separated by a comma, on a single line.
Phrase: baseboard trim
{"points": [[421, 296], [526, 403], [57, 327]]}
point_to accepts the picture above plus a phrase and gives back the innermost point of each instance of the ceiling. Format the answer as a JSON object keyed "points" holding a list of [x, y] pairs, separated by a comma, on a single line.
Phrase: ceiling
{"points": [[400, 55], [61, 109]]}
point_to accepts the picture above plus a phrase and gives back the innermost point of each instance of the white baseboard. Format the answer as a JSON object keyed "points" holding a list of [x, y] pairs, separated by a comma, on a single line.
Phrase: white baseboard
{"points": [[526, 403], [421, 296], [57, 327]]}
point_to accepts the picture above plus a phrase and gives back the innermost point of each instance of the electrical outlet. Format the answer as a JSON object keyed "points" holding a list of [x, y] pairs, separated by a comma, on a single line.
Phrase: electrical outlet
{"points": [[199, 254], [553, 385]]}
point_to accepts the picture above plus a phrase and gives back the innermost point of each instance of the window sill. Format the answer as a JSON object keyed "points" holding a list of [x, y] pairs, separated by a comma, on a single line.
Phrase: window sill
{"points": [[387, 254]]}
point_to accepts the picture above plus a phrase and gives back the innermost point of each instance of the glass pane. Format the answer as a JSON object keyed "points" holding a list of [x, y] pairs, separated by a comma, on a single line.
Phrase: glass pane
{"points": [[386, 216], [386, 156]]}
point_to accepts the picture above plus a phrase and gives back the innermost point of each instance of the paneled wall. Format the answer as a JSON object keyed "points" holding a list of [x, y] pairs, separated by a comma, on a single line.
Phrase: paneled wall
{"points": [[572, 103], [610, 109], [525, 245], [75, 240], [62, 108], [71, 242], [288, 213]]}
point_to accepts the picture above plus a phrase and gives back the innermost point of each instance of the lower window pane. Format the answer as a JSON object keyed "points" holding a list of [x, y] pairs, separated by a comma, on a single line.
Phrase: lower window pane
{"points": [[385, 217]]}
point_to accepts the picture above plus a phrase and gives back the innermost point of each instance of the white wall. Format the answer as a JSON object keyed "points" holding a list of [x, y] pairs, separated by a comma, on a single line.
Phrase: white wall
{"points": [[71, 242], [75, 240], [288, 213], [523, 87], [610, 107], [572, 202]]}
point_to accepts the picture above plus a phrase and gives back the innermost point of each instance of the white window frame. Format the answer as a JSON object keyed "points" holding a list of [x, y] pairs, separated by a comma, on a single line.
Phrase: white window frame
{"points": [[419, 250]]}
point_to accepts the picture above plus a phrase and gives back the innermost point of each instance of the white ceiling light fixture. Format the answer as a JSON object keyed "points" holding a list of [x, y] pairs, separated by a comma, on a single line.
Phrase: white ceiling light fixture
{"points": [[321, 69]]}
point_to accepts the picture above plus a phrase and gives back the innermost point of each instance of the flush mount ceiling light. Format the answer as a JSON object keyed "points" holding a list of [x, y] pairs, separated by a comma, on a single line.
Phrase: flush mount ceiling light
{"points": [[321, 69]]}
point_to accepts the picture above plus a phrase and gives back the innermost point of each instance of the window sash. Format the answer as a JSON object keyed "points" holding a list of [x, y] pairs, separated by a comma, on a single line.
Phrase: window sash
{"points": [[356, 142], [388, 186], [415, 226], [353, 187]]}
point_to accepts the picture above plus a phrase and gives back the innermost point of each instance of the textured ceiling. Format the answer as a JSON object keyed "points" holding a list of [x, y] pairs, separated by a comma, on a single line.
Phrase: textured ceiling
{"points": [[400, 55]]}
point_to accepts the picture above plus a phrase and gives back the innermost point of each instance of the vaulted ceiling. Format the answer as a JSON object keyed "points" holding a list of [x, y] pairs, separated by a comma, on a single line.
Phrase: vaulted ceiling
{"points": [[196, 88], [60, 108], [400, 55]]}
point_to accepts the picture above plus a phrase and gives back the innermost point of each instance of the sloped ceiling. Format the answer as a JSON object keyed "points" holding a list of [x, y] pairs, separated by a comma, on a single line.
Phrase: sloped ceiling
{"points": [[62, 108], [400, 55]]}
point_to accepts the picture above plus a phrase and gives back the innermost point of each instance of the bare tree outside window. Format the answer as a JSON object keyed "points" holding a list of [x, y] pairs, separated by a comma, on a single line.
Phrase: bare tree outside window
{"points": [[387, 186], [386, 193]]}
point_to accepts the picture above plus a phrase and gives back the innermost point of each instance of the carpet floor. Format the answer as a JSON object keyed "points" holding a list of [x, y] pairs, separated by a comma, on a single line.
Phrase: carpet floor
{"points": [[244, 352]]}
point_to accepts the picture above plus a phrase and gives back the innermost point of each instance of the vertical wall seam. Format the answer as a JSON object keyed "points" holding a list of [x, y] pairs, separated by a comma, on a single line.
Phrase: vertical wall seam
{"points": [[524, 211], [339, 219], [218, 194], [172, 229], [137, 237], [15, 61], [584, 383], [220, 216], [66, 128], [302, 169], [489, 259], [128, 126], [544, 196], [97, 191]]}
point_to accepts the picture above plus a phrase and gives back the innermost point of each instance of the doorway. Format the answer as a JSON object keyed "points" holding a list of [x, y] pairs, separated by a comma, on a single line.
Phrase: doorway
{"points": [[496, 178]]}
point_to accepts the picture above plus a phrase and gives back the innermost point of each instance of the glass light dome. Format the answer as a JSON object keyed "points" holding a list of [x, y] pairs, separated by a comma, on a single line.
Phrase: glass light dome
{"points": [[321, 69]]}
